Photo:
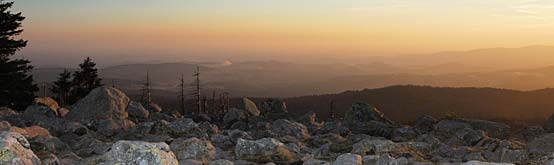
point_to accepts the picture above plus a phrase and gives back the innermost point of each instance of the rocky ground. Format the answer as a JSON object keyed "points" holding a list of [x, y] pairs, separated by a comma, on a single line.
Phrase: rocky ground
{"points": [[106, 127]]}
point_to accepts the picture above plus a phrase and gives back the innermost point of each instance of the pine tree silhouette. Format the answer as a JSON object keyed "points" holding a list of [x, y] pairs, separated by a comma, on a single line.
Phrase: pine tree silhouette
{"points": [[17, 88], [62, 87], [84, 80]]}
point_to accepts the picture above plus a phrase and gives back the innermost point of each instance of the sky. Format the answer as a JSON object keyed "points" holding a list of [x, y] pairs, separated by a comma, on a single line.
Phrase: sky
{"points": [[65, 31]]}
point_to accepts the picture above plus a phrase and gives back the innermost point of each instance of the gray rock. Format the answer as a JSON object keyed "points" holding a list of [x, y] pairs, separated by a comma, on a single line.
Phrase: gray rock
{"points": [[484, 163], [285, 128], [311, 122], [234, 115], [135, 152], [529, 133], [316, 162], [263, 150], [366, 119], [424, 124], [48, 158], [15, 149], [221, 162], [88, 146], [493, 129], [103, 106], [273, 106], [193, 148], [136, 110], [404, 134], [542, 145], [348, 159], [375, 146], [48, 143], [185, 127]]}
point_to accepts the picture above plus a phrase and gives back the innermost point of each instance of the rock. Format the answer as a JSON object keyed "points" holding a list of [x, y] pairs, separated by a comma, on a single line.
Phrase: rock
{"points": [[483, 163], [190, 162], [48, 158], [68, 157], [366, 119], [334, 127], [234, 115], [316, 162], [263, 150], [348, 159], [542, 145], [110, 127], [331, 138], [549, 124], [363, 112], [448, 128], [404, 134], [284, 128], [15, 149], [250, 107], [529, 133], [62, 112], [186, 127], [384, 159], [221, 162], [136, 110], [88, 146], [424, 124], [493, 129], [41, 109], [310, 121], [375, 146], [103, 106], [48, 143], [34, 131], [193, 148], [136, 152], [273, 106]]}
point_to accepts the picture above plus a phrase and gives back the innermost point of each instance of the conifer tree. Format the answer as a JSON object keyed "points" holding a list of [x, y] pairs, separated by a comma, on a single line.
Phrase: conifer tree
{"points": [[62, 87], [84, 80], [17, 88]]}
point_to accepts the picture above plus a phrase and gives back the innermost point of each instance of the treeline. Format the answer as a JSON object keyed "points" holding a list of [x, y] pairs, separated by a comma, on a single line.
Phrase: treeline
{"points": [[406, 103]]}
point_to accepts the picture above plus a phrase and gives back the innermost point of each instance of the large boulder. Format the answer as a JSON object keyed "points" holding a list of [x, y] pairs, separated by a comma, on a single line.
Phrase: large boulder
{"points": [[193, 148], [263, 151], [103, 108], [284, 128], [366, 119], [250, 107], [15, 149], [549, 124], [135, 152]]}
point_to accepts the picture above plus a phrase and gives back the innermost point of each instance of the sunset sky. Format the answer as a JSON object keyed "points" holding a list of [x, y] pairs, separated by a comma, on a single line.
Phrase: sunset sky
{"points": [[264, 28]]}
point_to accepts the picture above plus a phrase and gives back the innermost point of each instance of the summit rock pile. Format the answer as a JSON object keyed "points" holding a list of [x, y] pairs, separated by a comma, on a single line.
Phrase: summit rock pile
{"points": [[106, 127]]}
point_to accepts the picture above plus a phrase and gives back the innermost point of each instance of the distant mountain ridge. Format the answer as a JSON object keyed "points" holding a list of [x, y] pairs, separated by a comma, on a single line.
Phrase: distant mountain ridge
{"points": [[406, 103]]}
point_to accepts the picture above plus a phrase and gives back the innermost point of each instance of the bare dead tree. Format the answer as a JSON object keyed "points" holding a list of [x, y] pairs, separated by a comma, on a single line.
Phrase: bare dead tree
{"points": [[146, 91], [182, 95], [196, 92]]}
